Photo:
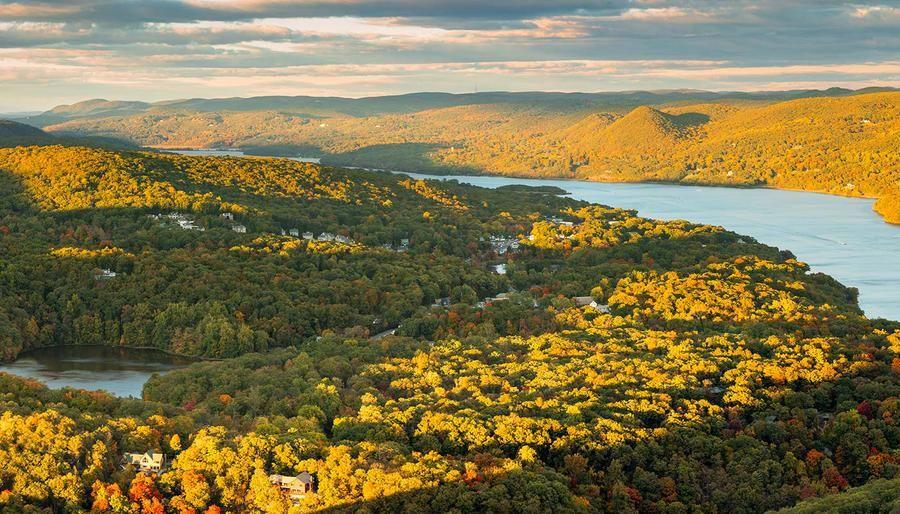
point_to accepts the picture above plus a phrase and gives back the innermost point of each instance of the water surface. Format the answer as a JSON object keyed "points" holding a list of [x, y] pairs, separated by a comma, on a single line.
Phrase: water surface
{"points": [[836, 235], [840, 236], [120, 371], [230, 152]]}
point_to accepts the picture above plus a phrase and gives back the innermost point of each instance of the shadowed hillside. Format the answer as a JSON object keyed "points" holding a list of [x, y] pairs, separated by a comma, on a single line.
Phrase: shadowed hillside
{"points": [[833, 141], [18, 134], [615, 364]]}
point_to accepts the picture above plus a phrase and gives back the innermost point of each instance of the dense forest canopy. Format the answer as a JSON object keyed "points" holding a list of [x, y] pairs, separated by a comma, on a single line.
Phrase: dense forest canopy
{"points": [[615, 364], [834, 141]]}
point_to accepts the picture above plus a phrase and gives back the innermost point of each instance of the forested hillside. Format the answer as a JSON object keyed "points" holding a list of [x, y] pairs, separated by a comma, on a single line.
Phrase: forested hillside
{"points": [[158, 222], [615, 364], [832, 141], [15, 134]]}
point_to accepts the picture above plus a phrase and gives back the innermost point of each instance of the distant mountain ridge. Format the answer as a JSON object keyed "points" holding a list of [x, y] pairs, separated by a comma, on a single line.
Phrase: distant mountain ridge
{"points": [[836, 140], [406, 103]]}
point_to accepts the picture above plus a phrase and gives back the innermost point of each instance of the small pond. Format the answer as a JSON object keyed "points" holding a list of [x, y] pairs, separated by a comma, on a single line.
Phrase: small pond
{"points": [[120, 371]]}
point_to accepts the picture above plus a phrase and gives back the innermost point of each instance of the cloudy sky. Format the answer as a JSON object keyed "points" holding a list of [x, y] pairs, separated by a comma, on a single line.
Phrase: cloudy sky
{"points": [[62, 51]]}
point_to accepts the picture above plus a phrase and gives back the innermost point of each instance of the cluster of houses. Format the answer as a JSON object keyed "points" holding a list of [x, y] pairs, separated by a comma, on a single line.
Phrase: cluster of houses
{"points": [[445, 301], [502, 244], [182, 220], [294, 487], [581, 301], [402, 247], [187, 222], [310, 236], [237, 227]]}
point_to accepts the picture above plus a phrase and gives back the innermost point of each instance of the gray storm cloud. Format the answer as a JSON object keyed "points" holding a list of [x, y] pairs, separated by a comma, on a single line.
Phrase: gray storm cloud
{"points": [[165, 48]]}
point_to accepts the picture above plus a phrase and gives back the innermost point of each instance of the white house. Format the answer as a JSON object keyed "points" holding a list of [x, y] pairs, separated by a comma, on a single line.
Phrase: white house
{"points": [[148, 462], [240, 229], [104, 274], [588, 301]]}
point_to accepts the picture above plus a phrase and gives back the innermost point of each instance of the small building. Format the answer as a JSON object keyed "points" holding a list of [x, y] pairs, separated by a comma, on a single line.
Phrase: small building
{"points": [[182, 220], [326, 236], [499, 269], [296, 487], [342, 239], [228, 216], [588, 301], [559, 221], [240, 229], [189, 225], [105, 274], [442, 302], [583, 301], [294, 232], [308, 236], [147, 462]]}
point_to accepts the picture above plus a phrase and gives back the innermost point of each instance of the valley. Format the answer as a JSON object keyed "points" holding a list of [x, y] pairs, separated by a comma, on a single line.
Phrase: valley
{"points": [[829, 141], [449, 257], [606, 339]]}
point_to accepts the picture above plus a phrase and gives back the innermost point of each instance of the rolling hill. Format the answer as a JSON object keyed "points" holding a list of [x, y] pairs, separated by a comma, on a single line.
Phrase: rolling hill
{"points": [[15, 134], [834, 141], [619, 364]]}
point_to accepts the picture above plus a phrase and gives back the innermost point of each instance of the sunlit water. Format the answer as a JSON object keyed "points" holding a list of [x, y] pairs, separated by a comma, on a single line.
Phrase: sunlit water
{"points": [[120, 371], [836, 235], [839, 236], [227, 152]]}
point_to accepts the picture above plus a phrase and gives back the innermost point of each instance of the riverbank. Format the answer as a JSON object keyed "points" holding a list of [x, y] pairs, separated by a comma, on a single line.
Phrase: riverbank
{"points": [[838, 235], [121, 371], [886, 210], [123, 347]]}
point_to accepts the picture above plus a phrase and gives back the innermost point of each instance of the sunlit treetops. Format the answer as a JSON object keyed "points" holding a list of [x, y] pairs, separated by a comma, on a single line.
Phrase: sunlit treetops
{"points": [[617, 364], [841, 144]]}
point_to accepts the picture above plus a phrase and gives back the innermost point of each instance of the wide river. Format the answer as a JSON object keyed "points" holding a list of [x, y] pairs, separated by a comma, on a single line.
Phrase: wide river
{"points": [[839, 236], [836, 235]]}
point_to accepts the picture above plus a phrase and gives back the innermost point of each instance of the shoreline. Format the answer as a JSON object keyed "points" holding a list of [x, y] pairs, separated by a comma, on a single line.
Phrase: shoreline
{"points": [[114, 347], [462, 173]]}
